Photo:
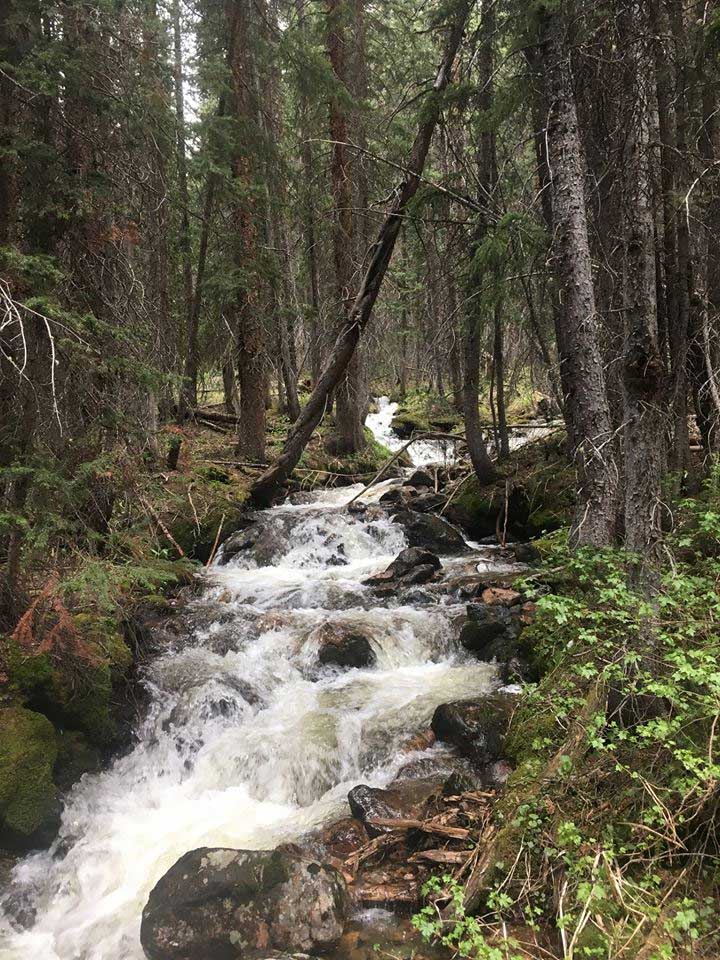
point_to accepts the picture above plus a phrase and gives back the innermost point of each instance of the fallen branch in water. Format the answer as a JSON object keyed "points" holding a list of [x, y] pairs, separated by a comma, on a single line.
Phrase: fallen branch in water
{"points": [[398, 453]]}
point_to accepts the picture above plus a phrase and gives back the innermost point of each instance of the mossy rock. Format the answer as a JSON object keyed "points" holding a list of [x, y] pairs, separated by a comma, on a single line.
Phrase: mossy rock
{"points": [[479, 510], [405, 424], [28, 798], [78, 696], [197, 542]]}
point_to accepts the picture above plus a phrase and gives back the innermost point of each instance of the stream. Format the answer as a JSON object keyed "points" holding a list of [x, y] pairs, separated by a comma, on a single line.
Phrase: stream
{"points": [[248, 741]]}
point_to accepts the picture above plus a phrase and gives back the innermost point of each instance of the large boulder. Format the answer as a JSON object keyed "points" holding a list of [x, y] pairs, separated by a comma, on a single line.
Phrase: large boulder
{"points": [[476, 727], [28, 802], [431, 532], [230, 904], [341, 646]]}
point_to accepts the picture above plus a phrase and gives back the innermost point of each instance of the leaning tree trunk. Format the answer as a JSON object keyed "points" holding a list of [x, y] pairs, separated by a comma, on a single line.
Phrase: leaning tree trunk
{"points": [[576, 323], [266, 487]]}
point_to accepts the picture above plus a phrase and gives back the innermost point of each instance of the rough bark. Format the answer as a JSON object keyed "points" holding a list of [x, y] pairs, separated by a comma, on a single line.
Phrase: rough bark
{"points": [[576, 323], [267, 486], [487, 177], [643, 373], [188, 395], [248, 310], [349, 436]]}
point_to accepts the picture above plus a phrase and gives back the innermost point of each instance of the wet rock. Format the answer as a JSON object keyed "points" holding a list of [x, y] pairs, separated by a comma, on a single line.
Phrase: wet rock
{"points": [[477, 637], [431, 532], [494, 633], [218, 902], [412, 566], [337, 841], [427, 502], [413, 557], [342, 646], [476, 727], [421, 741], [265, 541], [404, 800], [397, 496], [418, 575], [420, 478]]}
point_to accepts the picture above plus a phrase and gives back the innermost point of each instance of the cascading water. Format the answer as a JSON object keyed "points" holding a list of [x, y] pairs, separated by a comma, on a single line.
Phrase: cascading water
{"points": [[249, 741], [422, 452]]}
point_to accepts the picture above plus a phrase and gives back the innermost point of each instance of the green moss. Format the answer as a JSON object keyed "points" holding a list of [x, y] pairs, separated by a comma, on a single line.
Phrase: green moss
{"points": [[28, 751], [78, 694]]}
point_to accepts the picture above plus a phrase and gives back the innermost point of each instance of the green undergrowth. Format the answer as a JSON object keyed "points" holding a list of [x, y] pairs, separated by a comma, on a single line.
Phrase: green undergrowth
{"points": [[606, 840]]}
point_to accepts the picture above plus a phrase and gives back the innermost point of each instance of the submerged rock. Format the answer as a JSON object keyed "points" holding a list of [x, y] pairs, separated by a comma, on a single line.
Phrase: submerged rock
{"points": [[224, 903], [431, 532], [476, 727], [341, 646]]}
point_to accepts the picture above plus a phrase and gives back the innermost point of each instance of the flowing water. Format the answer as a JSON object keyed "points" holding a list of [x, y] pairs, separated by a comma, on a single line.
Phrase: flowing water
{"points": [[421, 452], [248, 741]]}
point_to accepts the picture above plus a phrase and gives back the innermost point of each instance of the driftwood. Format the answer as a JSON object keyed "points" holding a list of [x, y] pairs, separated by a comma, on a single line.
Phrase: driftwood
{"points": [[425, 826], [442, 856]]}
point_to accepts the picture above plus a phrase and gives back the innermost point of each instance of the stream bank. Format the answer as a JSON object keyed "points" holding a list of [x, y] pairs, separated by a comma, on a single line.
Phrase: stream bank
{"points": [[250, 725]]}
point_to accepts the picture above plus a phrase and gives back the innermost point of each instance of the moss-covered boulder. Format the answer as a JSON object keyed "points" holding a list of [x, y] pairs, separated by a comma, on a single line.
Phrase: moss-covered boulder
{"points": [[28, 798], [75, 688], [480, 510]]}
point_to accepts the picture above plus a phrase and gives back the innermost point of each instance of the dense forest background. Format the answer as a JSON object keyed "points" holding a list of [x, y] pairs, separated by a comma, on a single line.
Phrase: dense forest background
{"points": [[225, 228]]}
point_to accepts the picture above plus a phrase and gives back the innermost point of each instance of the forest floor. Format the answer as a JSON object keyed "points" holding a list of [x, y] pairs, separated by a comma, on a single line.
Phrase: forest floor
{"points": [[604, 840]]}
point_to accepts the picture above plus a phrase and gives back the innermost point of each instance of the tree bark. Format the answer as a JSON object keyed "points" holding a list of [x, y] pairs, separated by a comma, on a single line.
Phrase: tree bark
{"points": [[188, 393], [643, 372], [349, 436], [250, 329], [266, 487], [576, 323], [487, 176]]}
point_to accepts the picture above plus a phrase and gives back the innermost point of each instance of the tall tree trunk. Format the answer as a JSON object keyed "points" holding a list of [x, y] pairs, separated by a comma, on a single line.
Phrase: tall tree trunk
{"points": [[487, 176], [188, 393], [157, 297], [266, 487], [576, 323], [250, 330], [643, 372], [349, 436]]}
